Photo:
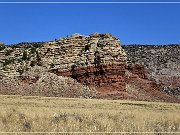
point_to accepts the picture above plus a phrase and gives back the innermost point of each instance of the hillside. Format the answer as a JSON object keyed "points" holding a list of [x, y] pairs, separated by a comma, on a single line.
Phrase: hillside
{"points": [[94, 66], [161, 62]]}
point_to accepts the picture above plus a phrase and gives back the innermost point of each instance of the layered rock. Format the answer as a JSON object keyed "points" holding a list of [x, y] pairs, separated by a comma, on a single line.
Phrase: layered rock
{"points": [[95, 54], [76, 50], [104, 77], [82, 51], [97, 67], [162, 64]]}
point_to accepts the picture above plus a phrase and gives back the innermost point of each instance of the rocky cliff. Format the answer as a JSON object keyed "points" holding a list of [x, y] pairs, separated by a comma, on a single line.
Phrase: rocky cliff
{"points": [[162, 64], [96, 65]]}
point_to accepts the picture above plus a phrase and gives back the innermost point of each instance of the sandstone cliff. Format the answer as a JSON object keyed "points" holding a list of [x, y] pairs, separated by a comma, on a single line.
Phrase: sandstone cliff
{"points": [[96, 65]]}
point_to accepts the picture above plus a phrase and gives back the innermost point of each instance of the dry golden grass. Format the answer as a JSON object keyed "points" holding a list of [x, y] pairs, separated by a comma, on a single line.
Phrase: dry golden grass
{"points": [[48, 114]]}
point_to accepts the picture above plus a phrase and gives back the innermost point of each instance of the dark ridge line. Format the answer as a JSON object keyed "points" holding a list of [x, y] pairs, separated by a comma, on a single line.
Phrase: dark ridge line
{"points": [[150, 45], [21, 44]]}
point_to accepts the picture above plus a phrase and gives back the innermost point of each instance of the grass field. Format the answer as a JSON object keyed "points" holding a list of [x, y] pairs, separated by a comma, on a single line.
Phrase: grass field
{"points": [[48, 114]]}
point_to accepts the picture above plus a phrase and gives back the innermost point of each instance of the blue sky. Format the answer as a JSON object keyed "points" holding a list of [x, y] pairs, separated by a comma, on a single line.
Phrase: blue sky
{"points": [[131, 23]]}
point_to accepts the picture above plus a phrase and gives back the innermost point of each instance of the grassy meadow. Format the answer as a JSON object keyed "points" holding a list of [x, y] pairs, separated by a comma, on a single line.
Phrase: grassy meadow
{"points": [[50, 114]]}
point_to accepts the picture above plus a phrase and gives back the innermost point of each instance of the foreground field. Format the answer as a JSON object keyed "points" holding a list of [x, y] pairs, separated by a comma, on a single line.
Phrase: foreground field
{"points": [[45, 114]]}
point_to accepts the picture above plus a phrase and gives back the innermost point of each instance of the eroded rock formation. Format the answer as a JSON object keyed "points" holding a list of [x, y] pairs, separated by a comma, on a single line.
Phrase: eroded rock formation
{"points": [[97, 63], [162, 64], [47, 84]]}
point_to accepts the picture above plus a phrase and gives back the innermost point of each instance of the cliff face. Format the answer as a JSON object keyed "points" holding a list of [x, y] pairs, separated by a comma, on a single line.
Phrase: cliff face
{"points": [[83, 58], [82, 51], [162, 64], [64, 53], [104, 77], [98, 64]]}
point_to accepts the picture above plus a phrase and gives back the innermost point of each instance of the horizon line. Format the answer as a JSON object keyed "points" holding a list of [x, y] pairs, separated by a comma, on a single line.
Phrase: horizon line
{"points": [[77, 2]]}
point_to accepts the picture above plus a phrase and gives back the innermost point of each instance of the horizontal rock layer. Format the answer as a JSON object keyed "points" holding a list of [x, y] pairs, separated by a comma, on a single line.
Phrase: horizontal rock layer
{"points": [[97, 65], [162, 64]]}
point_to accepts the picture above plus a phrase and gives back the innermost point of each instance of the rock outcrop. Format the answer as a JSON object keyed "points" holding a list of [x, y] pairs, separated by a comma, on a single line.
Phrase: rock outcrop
{"points": [[97, 67], [162, 64], [82, 51]]}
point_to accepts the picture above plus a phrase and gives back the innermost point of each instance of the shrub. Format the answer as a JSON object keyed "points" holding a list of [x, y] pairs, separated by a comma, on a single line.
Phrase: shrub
{"points": [[22, 70], [52, 65], [37, 45], [8, 52], [8, 61], [38, 59], [33, 63], [33, 50], [24, 57], [2, 47]]}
